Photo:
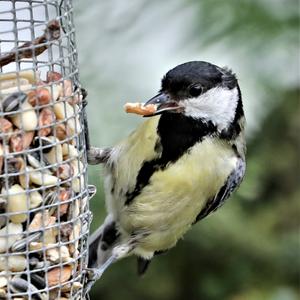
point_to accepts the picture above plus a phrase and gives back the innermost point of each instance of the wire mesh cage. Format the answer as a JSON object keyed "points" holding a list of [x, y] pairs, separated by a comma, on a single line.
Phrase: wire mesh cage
{"points": [[44, 212]]}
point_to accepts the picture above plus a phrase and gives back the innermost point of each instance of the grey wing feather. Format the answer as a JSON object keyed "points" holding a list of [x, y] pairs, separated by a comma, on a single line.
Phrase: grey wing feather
{"points": [[232, 182]]}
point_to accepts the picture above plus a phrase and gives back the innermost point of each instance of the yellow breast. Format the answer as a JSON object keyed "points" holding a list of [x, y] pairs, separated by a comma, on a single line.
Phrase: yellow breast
{"points": [[169, 204]]}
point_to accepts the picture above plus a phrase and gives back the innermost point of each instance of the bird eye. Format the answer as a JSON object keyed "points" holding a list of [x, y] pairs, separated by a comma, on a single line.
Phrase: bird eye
{"points": [[195, 90]]}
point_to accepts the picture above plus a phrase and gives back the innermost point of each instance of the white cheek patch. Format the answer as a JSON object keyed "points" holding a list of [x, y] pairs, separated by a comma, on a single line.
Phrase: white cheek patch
{"points": [[217, 105]]}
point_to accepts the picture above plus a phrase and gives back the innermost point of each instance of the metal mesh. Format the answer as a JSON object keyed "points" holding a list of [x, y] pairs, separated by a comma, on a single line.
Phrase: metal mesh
{"points": [[44, 214]]}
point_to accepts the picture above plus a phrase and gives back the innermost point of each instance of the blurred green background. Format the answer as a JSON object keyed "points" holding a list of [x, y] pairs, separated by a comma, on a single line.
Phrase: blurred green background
{"points": [[248, 250]]}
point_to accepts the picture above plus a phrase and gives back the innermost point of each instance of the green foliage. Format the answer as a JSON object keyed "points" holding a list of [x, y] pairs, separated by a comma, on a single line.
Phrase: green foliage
{"points": [[259, 22]]}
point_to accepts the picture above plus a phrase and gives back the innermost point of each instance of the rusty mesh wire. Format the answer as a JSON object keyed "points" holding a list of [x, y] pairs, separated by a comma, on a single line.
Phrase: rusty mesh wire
{"points": [[44, 213]]}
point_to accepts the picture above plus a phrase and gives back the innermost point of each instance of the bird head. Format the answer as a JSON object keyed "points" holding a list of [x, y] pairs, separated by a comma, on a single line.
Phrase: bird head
{"points": [[199, 90]]}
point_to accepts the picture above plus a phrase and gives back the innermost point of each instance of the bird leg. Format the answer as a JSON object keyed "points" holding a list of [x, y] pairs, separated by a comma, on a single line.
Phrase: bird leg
{"points": [[97, 156], [93, 274]]}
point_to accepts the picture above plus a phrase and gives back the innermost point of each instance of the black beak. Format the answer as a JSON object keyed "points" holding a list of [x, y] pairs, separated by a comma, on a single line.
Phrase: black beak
{"points": [[163, 102]]}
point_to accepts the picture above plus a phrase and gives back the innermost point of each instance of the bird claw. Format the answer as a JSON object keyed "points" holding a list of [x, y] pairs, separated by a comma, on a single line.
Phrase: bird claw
{"points": [[97, 156], [94, 274]]}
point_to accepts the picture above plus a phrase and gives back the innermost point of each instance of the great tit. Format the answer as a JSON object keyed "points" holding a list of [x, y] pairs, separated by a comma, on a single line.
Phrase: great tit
{"points": [[176, 168]]}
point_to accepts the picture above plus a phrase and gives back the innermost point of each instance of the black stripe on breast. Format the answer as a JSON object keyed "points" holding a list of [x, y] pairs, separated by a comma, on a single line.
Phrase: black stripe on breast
{"points": [[177, 134]]}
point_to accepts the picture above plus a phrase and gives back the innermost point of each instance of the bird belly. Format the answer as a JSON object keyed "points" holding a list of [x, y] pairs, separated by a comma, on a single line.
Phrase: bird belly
{"points": [[170, 203]]}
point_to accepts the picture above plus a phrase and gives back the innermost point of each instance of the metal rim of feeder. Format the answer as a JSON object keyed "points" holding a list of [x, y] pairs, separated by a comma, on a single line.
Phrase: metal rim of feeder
{"points": [[44, 210]]}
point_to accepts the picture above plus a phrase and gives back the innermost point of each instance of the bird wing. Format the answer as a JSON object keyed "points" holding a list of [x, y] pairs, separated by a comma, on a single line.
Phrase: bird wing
{"points": [[232, 182], [128, 158]]}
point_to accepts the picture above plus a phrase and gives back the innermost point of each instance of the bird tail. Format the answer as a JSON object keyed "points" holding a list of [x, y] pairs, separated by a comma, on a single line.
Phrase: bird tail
{"points": [[107, 245], [105, 248], [102, 242]]}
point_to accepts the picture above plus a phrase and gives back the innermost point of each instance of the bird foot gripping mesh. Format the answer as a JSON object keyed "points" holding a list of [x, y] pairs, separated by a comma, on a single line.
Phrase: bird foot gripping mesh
{"points": [[44, 213]]}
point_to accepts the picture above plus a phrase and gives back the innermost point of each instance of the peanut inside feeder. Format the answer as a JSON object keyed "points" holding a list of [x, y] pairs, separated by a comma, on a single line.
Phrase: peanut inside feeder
{"points": [[44, 216], [45, 193]]}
